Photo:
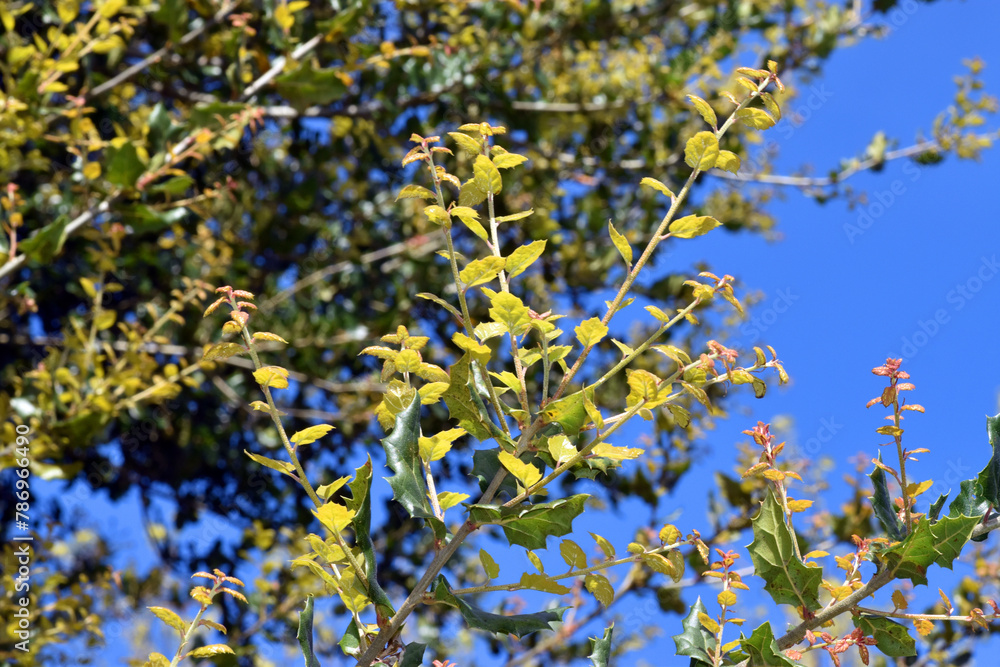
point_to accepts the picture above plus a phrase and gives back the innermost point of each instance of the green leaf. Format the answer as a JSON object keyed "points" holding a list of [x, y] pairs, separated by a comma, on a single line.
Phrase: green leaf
{"points": [[510, 311], [988, 481], [514, 216], [306, 86], [621, 243], [489, 565], [123, 166], [601, 651], [327, 490], [529, 526], [705, 109], [402, 453], [696, 641], [413, 655], [482, 271], [519, 260], [763, 650], [691, 226], [145, 219], [789, 580], [966, 503], [893, 639], [591, 332], [461, 406], [935, 509], [486, 175], [540, 582], [441, 302], [755, 118], [361, 504], [940, 543], [350, 643], [305, 633], [701, 151], [883, 506], [519, 625], [605, 545], [47, 242], [223, 351]]}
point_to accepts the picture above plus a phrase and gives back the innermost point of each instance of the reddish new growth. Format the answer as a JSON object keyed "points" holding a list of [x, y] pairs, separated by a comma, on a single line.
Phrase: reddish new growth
{"points": [[761, 434]]}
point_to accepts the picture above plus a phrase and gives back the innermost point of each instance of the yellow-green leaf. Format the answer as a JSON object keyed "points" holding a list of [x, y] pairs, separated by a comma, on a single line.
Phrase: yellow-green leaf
{"points": [[223, 351], [271, 376], [311, 434], [573, 555], [486, 175], [105, 319], [448, 499], [519, 260], [701, 151], [515, 216], [591, 332], [509, 311], [334, 516], [728, 161], [606, 547], [415, 192], [280, 466], [479, 352], [210, 650], [656, 185], [539, 582], [621, 243], [525, 473], [705, 109], [601, 588], [755, 118], [468, 144], [508, 160], [435, 447], [691, 226], [560, 448], [482, 271], [607, 450], [489, 565], [170, 618], [327, 490], [438, 215]]}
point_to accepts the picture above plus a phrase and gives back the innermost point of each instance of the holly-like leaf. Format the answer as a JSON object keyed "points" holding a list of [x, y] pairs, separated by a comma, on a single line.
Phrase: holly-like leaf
{"points": [[402, 453], [967, 503], [525, 473], [361, 504], [461, 406], [529, 526], [486, 464], [988, 481], [939, 543], [601, 651], [893, 639], [935, 509], [413, 655], [696, 641], [519, 625], [763, 650], [305, 633], [569, 412], [789, 580], [123, 166], [883, 506]]}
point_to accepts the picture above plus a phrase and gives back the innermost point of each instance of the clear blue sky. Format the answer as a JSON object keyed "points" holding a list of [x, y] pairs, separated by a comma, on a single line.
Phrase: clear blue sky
{"points": [[835, 306]]}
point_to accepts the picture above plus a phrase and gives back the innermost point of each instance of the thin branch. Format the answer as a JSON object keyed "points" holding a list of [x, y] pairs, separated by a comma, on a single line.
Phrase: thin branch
{"points": [[279, 64], [157, 55]]}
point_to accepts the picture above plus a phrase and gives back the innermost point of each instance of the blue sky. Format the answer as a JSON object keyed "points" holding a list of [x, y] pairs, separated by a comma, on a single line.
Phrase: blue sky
{"points": [[922, 281]]}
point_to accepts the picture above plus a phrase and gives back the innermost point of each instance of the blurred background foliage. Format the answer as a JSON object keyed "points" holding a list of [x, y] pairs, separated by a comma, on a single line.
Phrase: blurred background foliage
{"points": [[153, 150]]}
